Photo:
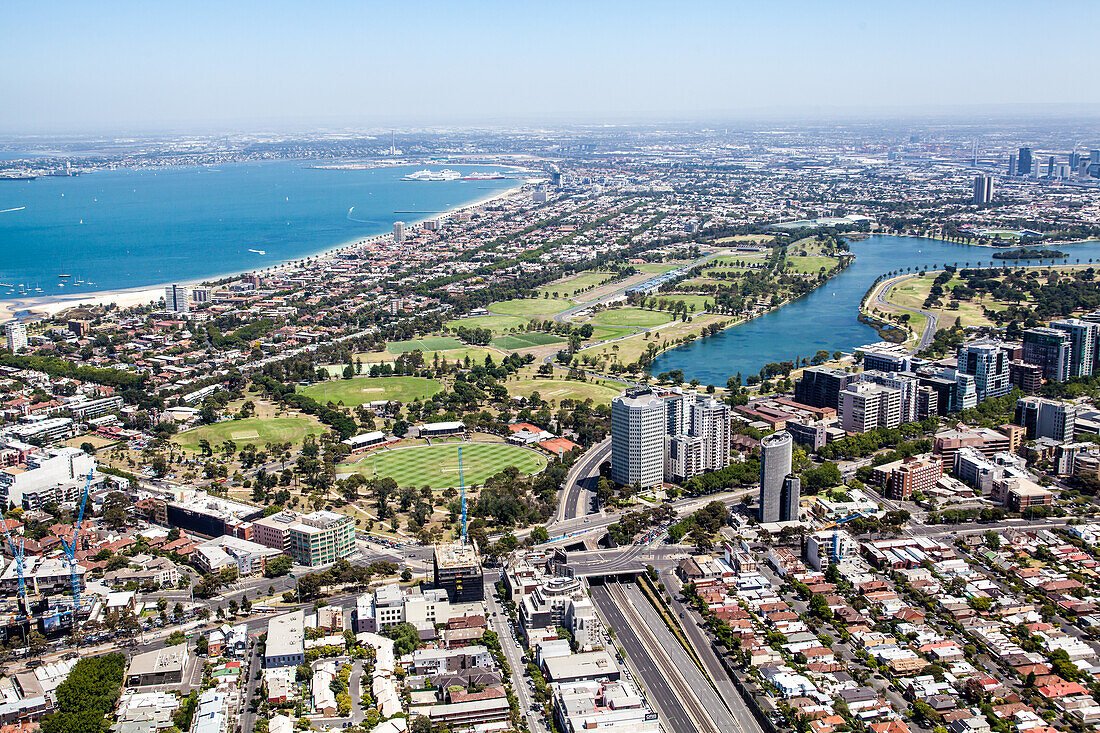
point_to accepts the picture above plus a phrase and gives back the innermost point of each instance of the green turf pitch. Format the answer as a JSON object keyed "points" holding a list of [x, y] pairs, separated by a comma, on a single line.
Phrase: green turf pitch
{"points": [[361, 390], [437, 465], [251, 431]]}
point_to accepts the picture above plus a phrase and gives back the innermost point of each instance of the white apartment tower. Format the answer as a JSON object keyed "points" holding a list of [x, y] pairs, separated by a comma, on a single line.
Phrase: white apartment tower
{"points": [[865, 406], [399, 232], [177, 299], [16, 333], [638, 427]]}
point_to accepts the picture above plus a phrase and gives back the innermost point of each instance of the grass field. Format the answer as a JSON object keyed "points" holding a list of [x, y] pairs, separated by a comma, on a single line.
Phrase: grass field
{"points": [[476, 353], [566, 389], [529, 306], [699, 301], [428, 343], [437, 465], [514, 341], [496, 324], [581, 281], [602, 333], [656, 268], [360, 390], [810, 264], [631, 317], [251, 431]]}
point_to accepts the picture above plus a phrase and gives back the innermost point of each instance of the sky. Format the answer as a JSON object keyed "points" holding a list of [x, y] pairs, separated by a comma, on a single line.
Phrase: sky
{"points": [[110, 65]]}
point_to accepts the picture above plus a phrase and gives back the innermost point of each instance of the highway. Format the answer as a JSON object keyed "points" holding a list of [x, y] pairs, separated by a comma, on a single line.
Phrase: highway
{"points": [[580, 484], [746, 722], [676, 701]]}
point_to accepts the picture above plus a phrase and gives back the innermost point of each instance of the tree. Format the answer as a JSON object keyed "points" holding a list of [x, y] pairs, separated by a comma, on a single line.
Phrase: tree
{"points": [[114, 509], [540, 535], [278, 566], [202, 645], [176, 637]]}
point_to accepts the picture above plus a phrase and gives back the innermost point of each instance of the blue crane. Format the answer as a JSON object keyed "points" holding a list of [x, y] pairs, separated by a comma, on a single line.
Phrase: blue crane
{"points": [[71, 545], [462, 485], [17, 557]]}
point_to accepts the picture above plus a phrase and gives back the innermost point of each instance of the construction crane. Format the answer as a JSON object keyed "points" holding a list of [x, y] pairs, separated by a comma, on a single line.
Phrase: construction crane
{"points": [[462, 486], [17, 557], [71, 545]]}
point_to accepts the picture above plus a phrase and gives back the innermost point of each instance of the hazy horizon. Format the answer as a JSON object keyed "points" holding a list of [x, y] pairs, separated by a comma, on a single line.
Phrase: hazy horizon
{"points": [[82, 68]]}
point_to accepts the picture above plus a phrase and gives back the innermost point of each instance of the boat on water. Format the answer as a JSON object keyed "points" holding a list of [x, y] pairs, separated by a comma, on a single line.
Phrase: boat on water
{"points": [[429, 175], [259, 251], [64, 277], [479, 176], [17, 176]]}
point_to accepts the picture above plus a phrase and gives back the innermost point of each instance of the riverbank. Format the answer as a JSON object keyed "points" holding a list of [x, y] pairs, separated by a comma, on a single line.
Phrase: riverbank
{"points": [[47, 306]]}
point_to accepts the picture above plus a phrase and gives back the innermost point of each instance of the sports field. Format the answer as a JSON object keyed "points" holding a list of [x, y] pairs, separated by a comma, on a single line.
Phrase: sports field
{"points": [[529, 306], [251, 431], [602, 333], [566, 389], [527, 339], [496, 324], [437, 465], [428, 343], [631, 317], [360, 390]]}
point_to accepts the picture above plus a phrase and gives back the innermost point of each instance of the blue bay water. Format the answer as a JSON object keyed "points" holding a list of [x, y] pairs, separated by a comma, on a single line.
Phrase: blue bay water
{"points": [[137, 227], [827, 317]]}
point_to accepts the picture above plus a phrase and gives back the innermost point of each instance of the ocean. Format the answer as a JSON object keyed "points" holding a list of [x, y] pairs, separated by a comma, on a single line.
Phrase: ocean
{"points": [[130, 227]]}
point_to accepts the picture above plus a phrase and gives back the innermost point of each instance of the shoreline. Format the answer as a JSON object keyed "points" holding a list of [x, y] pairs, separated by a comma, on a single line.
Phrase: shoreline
{"points": [[48, 306]]}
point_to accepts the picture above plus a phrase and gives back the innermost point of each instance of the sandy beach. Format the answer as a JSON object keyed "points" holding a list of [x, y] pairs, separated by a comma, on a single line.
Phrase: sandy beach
{"points": [[47, 306]]}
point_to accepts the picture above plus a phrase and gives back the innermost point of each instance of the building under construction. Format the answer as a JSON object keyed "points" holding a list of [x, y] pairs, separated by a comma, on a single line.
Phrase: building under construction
{"points": [[457, 570]]}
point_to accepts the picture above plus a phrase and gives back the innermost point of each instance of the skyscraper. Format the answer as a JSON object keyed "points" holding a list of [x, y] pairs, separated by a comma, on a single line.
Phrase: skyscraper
{"points": [[16, 333], [710, 421], [1050, 167], [988, 362], [821, 386], [775, 466], [1083, 336], [638, 428], [983, 190], [1012, 164], [1051, 349], [177, 299], [1024, 166], [1043, 418], [398, 232], [789, 498]]}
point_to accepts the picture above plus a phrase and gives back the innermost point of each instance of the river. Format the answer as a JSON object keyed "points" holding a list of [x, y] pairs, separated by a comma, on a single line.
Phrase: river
{"points": [[827, 318]]}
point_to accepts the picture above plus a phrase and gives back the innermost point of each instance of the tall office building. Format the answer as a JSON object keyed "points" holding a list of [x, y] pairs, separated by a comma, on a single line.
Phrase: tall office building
{"points": [[775, 467], [177, 299], [821, 386], [710, 421], [638, 429], [906, 384], [16, 333], [1012, 164], [398, 232], [1050, 349], [1043, 418], [1074, 161], [1050, 167], [988, 362], [983, 190], [457, 570], [865, 406], [1023, 168], [1083, 336], [789, 498]]}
